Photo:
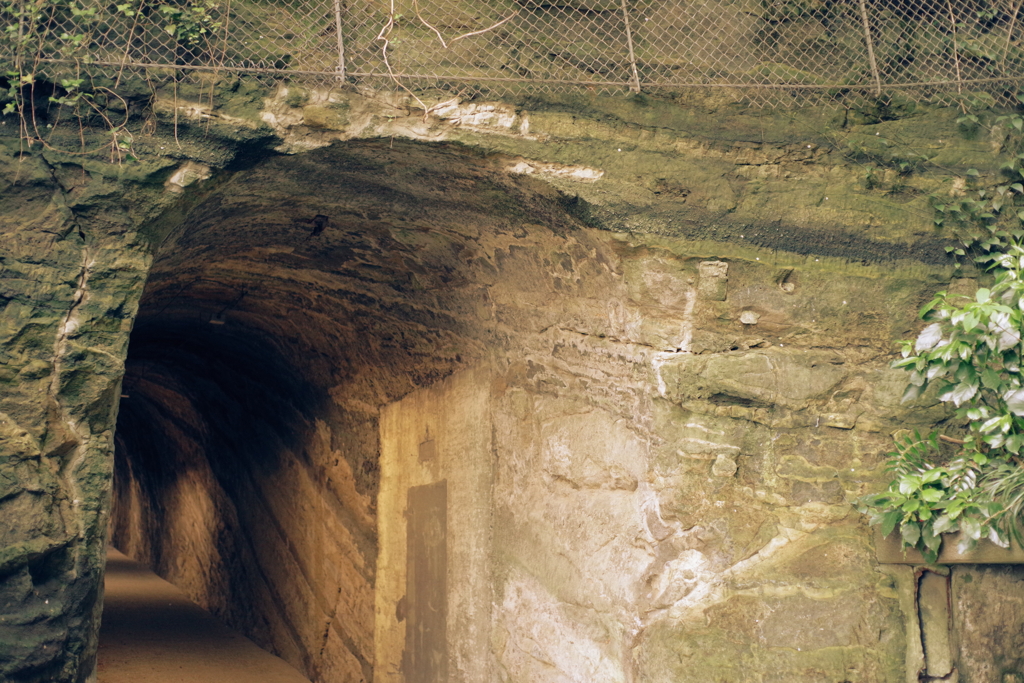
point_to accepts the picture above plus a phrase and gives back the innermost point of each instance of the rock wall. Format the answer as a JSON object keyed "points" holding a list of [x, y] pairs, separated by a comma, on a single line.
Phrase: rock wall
{"points": [[664, 515], [683, 324], [986, 611], [659, 513], [663, 421], [72, 271]]}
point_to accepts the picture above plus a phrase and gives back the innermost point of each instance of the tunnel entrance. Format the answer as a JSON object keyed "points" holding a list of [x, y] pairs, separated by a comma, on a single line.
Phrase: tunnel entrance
{"points": [[295, 301]]}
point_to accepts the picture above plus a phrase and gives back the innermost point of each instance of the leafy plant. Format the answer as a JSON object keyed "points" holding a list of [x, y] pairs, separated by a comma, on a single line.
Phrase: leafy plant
{"points": [[971, 354], [926, 499], [191, 22]]}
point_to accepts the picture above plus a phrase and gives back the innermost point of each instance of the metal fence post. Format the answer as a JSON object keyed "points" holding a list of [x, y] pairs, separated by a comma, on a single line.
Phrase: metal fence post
{"points": [[956, 49], [341, 41], [869, 41], [635, 85]]}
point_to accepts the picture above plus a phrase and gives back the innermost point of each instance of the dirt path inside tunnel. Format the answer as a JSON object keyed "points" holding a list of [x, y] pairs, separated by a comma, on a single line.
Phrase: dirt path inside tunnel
{"points": [[152, 633]]}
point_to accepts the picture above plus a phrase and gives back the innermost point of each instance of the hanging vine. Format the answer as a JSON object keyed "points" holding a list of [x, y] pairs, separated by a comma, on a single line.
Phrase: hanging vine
{"points": [[36, 34]]}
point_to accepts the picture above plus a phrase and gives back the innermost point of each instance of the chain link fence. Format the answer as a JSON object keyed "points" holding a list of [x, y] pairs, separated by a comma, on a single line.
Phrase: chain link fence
{"points": [[763, 52]]}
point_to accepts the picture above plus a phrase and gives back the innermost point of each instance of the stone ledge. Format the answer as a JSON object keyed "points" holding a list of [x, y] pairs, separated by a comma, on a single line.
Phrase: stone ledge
{"points": [[889, 552]]}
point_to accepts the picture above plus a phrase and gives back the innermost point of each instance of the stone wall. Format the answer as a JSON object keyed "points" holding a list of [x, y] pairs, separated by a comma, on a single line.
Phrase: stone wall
{"points": [[666, 515]]}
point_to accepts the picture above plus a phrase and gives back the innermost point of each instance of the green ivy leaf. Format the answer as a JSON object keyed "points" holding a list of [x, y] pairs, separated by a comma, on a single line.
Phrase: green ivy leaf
{"points": [[1015, 401], [911, 534], [990, 424], [929, 338], [990, 380], [931, 538], [943, 524], [909, 484], [958, 393], [971, 528], [889, 521], [1014, 443]]}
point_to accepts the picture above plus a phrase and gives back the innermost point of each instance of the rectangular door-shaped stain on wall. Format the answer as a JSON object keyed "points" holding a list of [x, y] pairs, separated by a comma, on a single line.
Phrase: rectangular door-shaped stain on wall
{"points": [[425, 659]]}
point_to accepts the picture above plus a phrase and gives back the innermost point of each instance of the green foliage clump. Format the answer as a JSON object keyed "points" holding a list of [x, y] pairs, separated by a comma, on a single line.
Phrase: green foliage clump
{"points": [[971, 354], [191, 22]]}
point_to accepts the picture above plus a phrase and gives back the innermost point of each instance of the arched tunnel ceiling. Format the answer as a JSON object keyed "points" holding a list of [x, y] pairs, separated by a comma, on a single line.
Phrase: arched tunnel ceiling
{"points": [[363, 261], [338, 280]]}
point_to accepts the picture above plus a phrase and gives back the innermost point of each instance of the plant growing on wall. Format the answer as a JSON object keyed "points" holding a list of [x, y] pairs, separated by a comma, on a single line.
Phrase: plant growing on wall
{"points": [[970, 355], [34, 33]]}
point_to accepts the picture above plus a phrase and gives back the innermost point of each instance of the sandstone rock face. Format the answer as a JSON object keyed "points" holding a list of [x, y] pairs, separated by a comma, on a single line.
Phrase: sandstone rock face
{"points": [[71, 278], [687, 516], [987, 609], [650, 436]]}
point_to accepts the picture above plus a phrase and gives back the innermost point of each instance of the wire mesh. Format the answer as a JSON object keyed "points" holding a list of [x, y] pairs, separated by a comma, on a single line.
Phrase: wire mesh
{"points": [[763, 52]]}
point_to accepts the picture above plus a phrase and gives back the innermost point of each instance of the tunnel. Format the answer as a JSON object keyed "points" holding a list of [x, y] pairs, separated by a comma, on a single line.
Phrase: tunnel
{"points": [[293, 301], [406, 412]]}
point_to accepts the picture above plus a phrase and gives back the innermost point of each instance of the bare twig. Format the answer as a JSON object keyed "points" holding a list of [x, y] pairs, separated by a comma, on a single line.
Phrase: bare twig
{"points": [[385, 37], [949, 439], [117, 131], [446, 44]]}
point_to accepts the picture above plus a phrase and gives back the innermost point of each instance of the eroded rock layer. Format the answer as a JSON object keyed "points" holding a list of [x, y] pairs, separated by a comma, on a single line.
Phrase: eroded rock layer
{"points": [[72, 270]]}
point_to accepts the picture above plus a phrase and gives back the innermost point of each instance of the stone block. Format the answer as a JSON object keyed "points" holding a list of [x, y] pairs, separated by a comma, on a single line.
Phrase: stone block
{"points": [[789, 377], [713, 284], [933, 607], [890, 551]]}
